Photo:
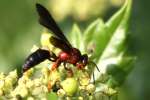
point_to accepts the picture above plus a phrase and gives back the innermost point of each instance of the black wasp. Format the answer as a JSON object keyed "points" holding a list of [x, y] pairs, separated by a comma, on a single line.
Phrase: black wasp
{"points": [[68, 54]]}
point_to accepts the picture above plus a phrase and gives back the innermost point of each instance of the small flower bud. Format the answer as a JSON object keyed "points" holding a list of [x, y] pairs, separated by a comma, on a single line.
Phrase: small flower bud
{"points": [[1, 84], [61, 93], [15, 98], [29, 84], [54, 76], [36, 91], [30, 98], [90, 88], [82, 87], [13, 75], [110, 91], [83, 93], [8, 84], [1, 92], [29, 72], [70, 86], [84, 78], [23, 80], [45, 72], [2, 76], [20, 91], [23, 92], [44, 99], [80, 98], [39, 90], [68, 98], [37, 82]]}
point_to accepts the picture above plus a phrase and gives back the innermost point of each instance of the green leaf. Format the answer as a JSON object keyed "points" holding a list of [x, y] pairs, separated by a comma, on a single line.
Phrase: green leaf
{"points": [[126, 63], [52, 96], [116, 33], [95, 38], [98, 35], [118, 72], [121, 16], [76, 38]]}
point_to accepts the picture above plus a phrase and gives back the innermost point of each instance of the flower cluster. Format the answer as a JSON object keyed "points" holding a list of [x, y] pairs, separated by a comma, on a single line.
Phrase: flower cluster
{"points": [[37, 83], [24, 87]]}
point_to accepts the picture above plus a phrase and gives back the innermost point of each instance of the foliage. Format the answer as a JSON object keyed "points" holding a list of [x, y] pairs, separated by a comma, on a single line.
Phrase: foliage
{"points": [[105, 44]]}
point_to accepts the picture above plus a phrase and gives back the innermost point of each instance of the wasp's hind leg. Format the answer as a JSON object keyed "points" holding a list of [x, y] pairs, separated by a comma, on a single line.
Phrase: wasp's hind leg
{"points": [[69, 70]]}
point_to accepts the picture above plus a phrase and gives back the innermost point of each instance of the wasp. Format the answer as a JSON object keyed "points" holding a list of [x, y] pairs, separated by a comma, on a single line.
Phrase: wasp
{"points": [[68, 53]]}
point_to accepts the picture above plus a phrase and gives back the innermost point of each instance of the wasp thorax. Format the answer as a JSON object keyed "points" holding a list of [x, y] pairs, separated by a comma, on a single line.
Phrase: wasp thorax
{"points": [[63, 56]]}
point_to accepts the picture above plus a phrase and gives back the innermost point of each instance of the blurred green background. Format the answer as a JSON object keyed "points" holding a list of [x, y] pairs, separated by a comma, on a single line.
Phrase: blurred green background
{"points": [[19, 31]]}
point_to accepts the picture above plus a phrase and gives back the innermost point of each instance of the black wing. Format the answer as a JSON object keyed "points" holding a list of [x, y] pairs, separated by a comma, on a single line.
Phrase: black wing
{"points": [[47, 21], [60, 44]]}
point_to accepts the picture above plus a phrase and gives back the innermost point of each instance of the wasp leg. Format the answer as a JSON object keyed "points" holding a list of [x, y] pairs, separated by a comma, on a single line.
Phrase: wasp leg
{"points": [[65, 66], [94, 65], [93, 78], [56, 64], [97, 67], [69, 70]]}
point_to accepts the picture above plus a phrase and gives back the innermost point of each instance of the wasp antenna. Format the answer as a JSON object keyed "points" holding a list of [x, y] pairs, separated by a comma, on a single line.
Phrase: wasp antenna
{"points": [[93, 78], [94, 65], [91, 62]]}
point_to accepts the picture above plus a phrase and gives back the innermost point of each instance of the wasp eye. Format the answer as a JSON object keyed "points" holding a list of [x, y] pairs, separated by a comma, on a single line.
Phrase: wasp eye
{"points": [[84, 59]]}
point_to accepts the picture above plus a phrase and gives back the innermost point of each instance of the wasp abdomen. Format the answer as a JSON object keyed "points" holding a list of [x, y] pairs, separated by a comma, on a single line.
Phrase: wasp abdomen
{"points": [[35, 58]]}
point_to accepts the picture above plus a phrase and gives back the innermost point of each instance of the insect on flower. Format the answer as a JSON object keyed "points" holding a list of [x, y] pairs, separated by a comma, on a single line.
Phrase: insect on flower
{"points": [[69, 54]]}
